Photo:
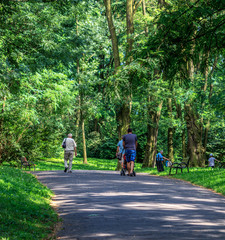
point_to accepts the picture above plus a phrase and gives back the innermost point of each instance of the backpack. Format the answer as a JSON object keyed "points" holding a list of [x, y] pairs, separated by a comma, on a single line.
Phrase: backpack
{"points": [[64, 143]]}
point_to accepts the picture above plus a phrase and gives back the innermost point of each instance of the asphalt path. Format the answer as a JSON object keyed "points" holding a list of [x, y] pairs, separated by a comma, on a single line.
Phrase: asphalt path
{"points": [[104, 205]]}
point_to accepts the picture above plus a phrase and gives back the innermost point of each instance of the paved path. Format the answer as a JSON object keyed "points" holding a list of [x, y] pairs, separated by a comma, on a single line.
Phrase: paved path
{"points": [[100, 205]]}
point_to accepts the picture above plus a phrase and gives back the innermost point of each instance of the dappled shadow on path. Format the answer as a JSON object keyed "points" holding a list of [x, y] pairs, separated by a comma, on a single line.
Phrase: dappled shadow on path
{"points": [[104, 205]]}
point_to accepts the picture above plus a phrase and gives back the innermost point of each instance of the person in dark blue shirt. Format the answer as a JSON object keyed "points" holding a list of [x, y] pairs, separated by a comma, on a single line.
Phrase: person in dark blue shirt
{"points": [[159, 161], [130, 146]]}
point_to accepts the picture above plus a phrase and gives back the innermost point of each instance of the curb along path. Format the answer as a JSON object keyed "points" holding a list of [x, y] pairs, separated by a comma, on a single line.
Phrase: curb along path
{"points": [[104, 205]]}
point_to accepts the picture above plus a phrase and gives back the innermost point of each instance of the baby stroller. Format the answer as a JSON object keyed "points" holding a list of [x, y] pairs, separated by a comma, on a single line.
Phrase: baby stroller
{"points": [[124, 167]]}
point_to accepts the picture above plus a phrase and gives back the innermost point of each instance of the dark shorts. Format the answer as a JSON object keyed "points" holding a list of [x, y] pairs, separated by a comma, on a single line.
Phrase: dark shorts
{"points": [[130, 155]]}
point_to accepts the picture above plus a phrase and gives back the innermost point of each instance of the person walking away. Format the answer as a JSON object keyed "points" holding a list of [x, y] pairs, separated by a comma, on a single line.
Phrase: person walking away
{"points": [[159, 161], [120, 151], [212, 161], [71, 148], [130, 146]]}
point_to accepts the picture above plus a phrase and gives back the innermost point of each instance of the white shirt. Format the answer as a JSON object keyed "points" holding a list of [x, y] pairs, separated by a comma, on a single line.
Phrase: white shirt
{"points": [[70, 144], [211, 162]]}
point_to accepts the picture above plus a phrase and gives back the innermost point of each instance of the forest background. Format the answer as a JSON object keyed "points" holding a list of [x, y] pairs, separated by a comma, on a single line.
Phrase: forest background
{"points": [[94, 68]]}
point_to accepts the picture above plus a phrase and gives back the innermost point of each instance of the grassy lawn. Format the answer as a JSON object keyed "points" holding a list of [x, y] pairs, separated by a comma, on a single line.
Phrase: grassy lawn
{"points": [[25, 211]]}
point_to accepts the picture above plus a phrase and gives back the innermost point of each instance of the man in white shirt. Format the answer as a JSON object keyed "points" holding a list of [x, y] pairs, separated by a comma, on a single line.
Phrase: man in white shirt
{"points": [[71, 147]]}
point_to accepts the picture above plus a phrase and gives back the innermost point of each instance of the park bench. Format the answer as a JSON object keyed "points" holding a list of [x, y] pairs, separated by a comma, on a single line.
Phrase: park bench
{"points": [[25, 163], [179, 165]]}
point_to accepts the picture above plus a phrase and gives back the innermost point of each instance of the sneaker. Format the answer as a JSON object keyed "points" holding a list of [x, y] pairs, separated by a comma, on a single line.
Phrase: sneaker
{"points": [[70, 171], [131, 175], [65, 169]]}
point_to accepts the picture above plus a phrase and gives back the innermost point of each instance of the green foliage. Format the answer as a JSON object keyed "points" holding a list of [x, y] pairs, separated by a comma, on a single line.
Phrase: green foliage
{"points": [[25, 211], [56, 60]]}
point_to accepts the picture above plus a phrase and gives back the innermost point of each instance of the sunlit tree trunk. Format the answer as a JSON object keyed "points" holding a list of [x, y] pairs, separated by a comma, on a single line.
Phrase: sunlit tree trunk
{"points": [[123, 111], [123, 114], [80, 116], [130, 29], [115, 48], [153, 117], [144, 13], [112, 31], [84, 139], [79, 105]]}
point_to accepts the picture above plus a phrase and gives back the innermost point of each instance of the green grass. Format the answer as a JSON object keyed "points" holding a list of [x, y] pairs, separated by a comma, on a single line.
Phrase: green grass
{"points": [[206, 177], [53, 164], [25, 211]]}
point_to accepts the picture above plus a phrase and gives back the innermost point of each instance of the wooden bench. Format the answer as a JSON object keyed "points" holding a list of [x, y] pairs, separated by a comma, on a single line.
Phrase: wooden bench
{"points": [[179, 165], [25, 163]]}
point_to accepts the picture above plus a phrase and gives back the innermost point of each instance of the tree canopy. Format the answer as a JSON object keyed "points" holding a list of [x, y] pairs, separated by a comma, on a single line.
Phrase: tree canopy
{"points": [[95, 68]]}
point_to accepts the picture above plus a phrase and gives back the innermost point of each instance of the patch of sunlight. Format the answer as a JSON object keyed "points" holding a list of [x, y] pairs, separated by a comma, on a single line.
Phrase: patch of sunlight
{"points": [[159, 206], [119, 194], [193, 199]]}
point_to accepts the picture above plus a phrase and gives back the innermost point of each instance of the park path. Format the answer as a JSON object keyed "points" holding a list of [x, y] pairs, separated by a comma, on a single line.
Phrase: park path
{"points": [[99, 205]]}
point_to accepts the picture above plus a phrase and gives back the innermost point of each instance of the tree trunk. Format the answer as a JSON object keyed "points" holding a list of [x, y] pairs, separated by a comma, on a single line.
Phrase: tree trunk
{"points": [[130, 29], [79, 106], [194, 128], [123, 119], [206, 76], [84, 139], [77, 124], [184, 149], [152, 134], [183, 134], [144, 13], [195, 148], [170, 131], [112, 33]]}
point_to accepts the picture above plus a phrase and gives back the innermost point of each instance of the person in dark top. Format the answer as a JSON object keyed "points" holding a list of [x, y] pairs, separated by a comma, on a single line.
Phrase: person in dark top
{"points": [[130, 146]]}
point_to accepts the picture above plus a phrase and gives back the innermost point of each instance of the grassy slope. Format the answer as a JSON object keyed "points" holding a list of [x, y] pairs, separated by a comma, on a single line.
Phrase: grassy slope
{"points": [[25, 211]]}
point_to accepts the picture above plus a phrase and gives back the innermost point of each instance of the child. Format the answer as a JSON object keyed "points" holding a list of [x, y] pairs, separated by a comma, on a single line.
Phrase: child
{"points": [[212, 161]]}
